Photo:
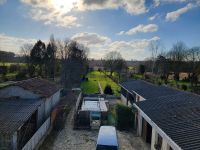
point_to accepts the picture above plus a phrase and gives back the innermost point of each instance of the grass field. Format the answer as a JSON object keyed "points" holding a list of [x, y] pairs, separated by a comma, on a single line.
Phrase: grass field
{"points": [[8, 64], [91, 86]]}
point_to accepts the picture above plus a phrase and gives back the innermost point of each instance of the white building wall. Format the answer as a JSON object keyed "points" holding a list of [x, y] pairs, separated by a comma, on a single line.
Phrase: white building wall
{"points": [[41, 114], [35, 139], [167, 141], [139, 129], [13, 91], [124, 100], [154, 138], [51, 102]]}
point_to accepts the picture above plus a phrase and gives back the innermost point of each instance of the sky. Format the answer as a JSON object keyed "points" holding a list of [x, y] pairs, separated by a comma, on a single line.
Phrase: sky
{"points": [[126, 26]]}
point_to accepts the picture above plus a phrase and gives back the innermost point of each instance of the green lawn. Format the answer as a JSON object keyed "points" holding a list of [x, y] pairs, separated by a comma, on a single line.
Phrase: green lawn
{"points": [[9, 74], [4, 84], [8, 64], [91, 86]]}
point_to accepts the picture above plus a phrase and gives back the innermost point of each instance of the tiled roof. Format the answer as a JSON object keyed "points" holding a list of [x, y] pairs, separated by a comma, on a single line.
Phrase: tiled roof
{"points": [[147, 90], [39, 86], [15, 112], [178, 116]]}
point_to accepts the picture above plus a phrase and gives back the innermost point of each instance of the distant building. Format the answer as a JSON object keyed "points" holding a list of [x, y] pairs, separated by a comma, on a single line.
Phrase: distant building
{"points": [[43, 97], [166, 118]]}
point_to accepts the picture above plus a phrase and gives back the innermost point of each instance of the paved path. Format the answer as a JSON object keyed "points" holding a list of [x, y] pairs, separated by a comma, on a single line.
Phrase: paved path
{"points": [[100, 88]]}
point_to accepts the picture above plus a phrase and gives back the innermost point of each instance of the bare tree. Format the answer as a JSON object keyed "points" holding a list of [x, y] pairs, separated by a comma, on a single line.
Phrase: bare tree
{"points": [[74, 61], [110, 61], [50, 58], [25, 52], [154, 47], [177, 56], [193, 58], [115, 63]]}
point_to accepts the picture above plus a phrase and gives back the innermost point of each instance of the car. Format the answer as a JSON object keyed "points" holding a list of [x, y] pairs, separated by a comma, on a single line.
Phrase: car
{"points": [[107, 138]]}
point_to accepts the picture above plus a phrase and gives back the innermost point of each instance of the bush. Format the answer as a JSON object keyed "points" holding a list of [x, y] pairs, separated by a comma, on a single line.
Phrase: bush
{"points": [[13, 68], [159, 83], [21, 75], [3, 70], [184, 87], [108, 90], [125, 117]]}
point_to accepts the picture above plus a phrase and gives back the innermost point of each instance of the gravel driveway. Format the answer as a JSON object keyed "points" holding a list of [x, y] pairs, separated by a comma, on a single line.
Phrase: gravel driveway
{"points": [[69, 139]]}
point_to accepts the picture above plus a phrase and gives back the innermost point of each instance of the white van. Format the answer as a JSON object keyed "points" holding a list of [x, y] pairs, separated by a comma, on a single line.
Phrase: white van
{"points": [[107, 138]]}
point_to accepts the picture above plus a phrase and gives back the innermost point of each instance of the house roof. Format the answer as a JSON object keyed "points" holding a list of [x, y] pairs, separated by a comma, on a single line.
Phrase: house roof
{"points": [[39, 86], [147, 90], [15, 112], [178, 116]]}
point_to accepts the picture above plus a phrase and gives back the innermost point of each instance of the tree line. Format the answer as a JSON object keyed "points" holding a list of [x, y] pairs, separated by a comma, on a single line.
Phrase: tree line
{"points": [[66, 60], [178, 59]]}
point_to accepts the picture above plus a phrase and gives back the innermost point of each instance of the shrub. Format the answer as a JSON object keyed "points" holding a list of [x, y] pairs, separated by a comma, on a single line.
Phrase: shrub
{"points": [[125, 117], [3, 70], [184, 87], [108, 90], [159, 83], [13, 68], [21, 75]]}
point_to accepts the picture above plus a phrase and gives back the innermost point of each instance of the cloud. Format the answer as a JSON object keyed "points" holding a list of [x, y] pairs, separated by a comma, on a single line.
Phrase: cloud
{"points": [[156, 3], [13, 44], [2, 2], [121, 33], [154, 17], [100, 45], [174, 15], [91, 39], [134, 7], [135, 49], [51, 12], [140, 28], [59, 12]]}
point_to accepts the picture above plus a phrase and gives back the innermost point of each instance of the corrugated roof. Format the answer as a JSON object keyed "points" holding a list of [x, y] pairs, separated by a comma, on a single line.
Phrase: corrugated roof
{"points": [[178, 116], [147, 90], [15, 112], [39, 86]]}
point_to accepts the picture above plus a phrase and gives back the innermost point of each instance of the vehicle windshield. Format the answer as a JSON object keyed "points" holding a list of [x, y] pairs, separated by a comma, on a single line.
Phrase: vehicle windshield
{"points": [[106, 147]]}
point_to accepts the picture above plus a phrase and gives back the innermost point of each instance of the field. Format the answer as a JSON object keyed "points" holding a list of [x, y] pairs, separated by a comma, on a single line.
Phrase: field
{"points": [[91, 86], [8, 64]]}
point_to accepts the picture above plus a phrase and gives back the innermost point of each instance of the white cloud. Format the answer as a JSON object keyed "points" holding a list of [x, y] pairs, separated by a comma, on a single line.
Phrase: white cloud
{"points": [[134, 7], [54, 12], [136, 49], [140, 28], [156, 3], [13, 44], [100, 45], [121, 33], [91, 39], [59, 12], [173, 16], [2, 2], [173, 1], [154, 17]]}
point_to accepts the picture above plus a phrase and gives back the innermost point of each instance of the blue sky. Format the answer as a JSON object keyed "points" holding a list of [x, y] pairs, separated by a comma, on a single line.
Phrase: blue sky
{"points": [[126, 26]]}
